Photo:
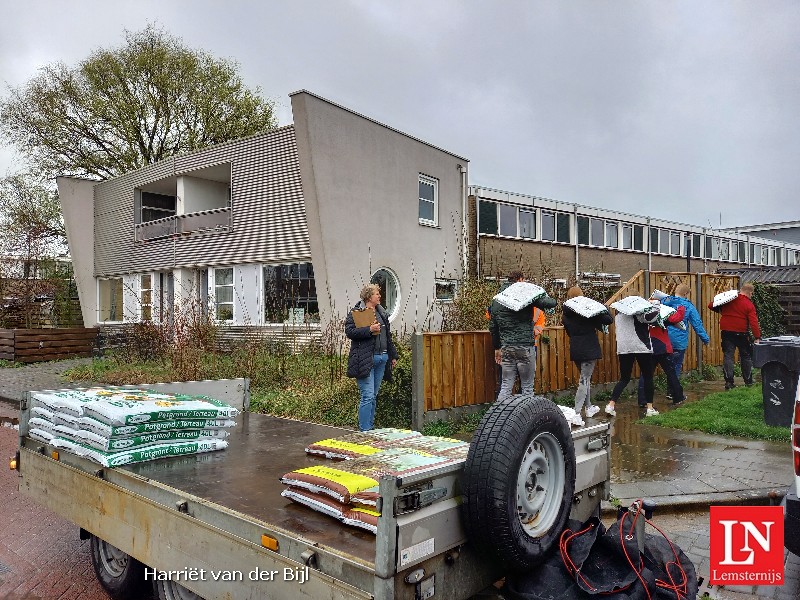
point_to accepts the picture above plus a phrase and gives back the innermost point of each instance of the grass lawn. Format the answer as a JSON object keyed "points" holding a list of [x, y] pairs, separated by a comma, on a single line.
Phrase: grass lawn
{"points": [[737, 412]]}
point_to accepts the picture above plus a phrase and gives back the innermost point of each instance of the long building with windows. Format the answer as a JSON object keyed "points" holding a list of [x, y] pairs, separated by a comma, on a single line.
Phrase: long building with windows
{"points": [[510, 230]]}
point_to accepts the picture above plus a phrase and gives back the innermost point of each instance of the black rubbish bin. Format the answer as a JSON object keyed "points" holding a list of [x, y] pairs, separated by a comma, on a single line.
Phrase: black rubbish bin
{"points": [[779, 361]]}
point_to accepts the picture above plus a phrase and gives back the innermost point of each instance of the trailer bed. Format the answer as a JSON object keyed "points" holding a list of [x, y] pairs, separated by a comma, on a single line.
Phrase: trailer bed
{"points": [[245, 478]]}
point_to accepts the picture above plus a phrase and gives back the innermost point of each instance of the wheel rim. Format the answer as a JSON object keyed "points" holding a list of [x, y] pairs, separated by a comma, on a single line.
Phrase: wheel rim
{"points": [[540, 485], [112, 559], [174, 591]]}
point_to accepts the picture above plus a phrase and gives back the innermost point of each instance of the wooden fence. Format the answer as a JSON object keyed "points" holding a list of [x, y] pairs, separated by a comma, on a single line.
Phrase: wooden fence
{"points": [[37, 345], [456, 369]]}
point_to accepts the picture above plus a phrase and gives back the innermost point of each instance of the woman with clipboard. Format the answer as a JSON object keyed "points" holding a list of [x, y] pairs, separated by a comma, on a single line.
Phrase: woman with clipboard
{"points": [[372, 353]]}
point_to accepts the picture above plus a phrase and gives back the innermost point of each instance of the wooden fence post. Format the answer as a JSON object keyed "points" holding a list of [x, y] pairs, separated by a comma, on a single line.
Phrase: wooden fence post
{"points": [[699, 295], [417, 382]]}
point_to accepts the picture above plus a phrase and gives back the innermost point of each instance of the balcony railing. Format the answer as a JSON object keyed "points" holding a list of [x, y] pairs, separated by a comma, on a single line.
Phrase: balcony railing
{"points": [[215, 219]]}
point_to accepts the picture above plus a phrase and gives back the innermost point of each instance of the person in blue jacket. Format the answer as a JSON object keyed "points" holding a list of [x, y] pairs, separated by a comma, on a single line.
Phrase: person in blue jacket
{"points": [[679, 336]]}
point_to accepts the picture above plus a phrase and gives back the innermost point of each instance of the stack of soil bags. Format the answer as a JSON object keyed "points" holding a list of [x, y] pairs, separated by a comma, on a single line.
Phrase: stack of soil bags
{"points": [[348, 489], [117, 426]]}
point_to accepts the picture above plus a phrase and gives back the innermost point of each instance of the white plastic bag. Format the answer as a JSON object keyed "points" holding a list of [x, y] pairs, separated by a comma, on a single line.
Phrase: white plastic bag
{"points": [[585, 307], [519, 295], [724, 298]]}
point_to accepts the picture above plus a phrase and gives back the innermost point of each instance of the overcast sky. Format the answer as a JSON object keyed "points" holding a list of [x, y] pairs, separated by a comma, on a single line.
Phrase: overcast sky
{"points": [[684, 110]]}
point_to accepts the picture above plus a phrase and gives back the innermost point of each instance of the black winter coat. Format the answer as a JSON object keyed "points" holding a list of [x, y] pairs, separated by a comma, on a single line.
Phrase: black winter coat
{"points": [[582, 332], [362, 343]]}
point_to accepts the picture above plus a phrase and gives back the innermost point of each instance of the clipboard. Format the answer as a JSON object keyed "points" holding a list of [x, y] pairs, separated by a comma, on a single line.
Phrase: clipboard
{"points": [[364, 318]]}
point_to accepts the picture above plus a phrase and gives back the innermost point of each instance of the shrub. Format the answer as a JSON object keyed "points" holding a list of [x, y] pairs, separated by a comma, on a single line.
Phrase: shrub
{"points": [[440, 428], [710, 373], [393, 408], [771, 315]]}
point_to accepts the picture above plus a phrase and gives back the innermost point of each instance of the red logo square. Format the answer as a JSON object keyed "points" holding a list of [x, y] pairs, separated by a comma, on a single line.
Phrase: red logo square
{"points": [[746, 545]]}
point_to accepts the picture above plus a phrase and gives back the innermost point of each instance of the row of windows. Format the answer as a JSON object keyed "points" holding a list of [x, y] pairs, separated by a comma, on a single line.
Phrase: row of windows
{"points": [[517, 222]]}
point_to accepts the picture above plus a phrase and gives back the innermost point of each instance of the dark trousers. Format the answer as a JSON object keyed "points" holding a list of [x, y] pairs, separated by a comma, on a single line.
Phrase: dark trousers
{"points": [[673, 383], [731, 340], [646, 366]]}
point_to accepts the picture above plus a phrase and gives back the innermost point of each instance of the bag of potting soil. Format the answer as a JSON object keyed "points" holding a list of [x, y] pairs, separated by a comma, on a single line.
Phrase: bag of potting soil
{"points": [[362, 443], [43, 424], [43, 435], [585, 307], [43, 413], [434, 445], [128, 411], [124, 457], [95, 440], [67, 401], [64, 418], [65, 431], [724, 298], [519, 295], [353, 476], [318, 502], [363, 518], [111, 431], [632, 305]]}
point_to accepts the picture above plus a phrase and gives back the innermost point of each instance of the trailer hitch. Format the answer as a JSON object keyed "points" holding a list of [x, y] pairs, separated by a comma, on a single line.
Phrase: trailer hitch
{"points": [[414, 500]]}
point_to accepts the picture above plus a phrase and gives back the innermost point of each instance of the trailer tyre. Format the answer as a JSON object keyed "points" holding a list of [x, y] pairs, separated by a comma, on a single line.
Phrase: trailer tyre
{"points": [[121, 575], [169, 590], [518, 481]]}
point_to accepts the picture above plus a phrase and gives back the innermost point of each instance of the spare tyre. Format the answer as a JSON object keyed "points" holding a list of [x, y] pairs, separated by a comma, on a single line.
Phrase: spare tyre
{"points": [[518, 481]]}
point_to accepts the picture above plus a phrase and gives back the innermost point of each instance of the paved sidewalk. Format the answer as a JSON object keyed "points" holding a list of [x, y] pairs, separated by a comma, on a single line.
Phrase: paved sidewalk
{"points": [[682, 469], [14, 382]]}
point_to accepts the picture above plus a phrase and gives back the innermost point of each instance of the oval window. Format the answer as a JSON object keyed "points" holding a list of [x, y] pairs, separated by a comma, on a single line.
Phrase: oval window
{"points": [[390, 290]]}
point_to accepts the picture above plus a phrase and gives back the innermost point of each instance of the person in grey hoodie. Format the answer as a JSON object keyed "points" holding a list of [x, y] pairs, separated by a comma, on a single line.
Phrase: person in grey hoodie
{"points": [[634, 345], [679, 336]]}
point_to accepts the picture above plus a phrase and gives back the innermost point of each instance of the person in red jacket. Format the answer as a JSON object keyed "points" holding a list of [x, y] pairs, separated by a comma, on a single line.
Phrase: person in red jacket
{"points": [[738, 317]]}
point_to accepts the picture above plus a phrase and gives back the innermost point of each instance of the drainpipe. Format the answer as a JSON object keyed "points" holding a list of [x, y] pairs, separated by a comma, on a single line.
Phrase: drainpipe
{"points": [[649, 246], [464, 224], [575, 225]]}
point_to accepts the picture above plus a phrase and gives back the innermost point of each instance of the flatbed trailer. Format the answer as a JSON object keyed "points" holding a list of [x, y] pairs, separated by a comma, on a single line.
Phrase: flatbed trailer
{"points": [[216, 525]]}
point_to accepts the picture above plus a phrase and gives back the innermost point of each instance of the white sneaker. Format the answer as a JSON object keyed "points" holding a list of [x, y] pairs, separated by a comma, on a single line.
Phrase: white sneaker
{"points": [[592, 411], [651, 412], [610, 410], [577, 421]]}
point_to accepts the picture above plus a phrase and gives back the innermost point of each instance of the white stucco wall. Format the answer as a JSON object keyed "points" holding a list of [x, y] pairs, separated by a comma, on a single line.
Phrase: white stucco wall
{"points": [[77, 206], [360, 185], [198, 194]]}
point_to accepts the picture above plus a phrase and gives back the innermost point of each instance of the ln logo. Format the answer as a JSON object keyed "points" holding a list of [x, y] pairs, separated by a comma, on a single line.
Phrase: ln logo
{"points": [[746, 545]]}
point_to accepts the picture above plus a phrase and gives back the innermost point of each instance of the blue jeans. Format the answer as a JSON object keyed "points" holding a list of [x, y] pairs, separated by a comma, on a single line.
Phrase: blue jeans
{"points": [[677, 360], [369, 386]]}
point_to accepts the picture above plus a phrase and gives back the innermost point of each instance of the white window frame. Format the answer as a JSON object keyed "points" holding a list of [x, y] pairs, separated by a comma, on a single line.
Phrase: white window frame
{"points": [[215, 303], [118, 303], [433, 182], [500, 207], [445, 283], [627, 229], [532, 212], [142, 290], [398, 292]]}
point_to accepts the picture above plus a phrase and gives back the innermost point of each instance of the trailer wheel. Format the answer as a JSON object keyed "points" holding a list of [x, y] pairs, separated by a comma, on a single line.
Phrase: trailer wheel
{"points": [[121, 575], [518, 481], [169, 590]]}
